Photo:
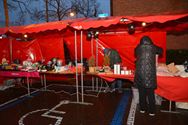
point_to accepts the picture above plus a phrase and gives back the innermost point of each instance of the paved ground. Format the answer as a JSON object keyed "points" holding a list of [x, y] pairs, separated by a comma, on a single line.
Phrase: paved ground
{"points": [[60, 107]]}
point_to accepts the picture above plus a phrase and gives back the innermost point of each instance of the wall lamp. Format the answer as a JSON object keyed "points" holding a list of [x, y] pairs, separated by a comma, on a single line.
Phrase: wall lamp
{"points": [[92, 34]]}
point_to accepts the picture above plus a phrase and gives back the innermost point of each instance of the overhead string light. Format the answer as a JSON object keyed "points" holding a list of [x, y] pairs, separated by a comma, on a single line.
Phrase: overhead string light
{"points": [[144, 24], [123, 20], [25, 35], [131, 28], [96, 34], [92, 34], [89, 35], [3, 36]]}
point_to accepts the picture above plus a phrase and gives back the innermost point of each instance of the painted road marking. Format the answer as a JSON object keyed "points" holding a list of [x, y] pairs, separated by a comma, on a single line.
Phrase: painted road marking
{"points": [[120, 111], [47, 113]]}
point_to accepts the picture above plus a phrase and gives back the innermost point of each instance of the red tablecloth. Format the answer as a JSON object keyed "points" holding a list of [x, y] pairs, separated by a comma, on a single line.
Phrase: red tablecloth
{"points": [[112, 77], [171, 88], [19, 74]]}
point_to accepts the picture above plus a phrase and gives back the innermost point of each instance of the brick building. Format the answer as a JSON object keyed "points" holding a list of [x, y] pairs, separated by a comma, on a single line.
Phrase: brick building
{"points": [[154, 7]]}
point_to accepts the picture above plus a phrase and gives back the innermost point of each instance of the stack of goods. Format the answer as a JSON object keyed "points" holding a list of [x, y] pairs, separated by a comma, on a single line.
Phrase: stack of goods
{"points": [[171, 70]]}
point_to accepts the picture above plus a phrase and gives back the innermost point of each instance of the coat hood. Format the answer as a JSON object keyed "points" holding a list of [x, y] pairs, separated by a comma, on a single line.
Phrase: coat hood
{"points": [[145, 40]]}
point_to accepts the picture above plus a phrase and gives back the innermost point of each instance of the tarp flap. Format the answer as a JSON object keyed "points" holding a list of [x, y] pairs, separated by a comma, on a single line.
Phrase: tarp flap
{"points": [[4, 49], [43, 47], [26, 50], [123, 43], [52, 46]]}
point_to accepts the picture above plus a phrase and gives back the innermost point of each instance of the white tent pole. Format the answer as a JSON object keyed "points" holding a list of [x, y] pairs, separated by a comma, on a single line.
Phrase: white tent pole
{"points": [[97, 53], [10, 42], [92, 46], [82, 88], [97, 62], [92, 53], [75, 42]]}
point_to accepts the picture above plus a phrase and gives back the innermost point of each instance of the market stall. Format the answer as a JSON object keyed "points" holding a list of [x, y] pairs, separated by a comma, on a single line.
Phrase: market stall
{"points": [[41, 42], [113, 31]]}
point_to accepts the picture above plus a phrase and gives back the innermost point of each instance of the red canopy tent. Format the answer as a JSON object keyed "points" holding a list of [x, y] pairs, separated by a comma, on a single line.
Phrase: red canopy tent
{"points": [[49, 38], [88, 23]]}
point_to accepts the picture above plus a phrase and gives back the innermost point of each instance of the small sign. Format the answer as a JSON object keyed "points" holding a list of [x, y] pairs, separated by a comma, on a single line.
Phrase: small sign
{"points": [[102, 15]]}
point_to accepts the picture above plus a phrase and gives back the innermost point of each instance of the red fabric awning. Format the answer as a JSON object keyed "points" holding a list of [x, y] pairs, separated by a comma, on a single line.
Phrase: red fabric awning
{"points": [[3, 30], [157, 18], [108, 21], [36, 28], [88, 23]]}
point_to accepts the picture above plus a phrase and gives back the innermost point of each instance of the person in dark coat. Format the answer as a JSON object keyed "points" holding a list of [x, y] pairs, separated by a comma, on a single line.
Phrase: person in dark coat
{"points": [[114, 59], [145, 74]]}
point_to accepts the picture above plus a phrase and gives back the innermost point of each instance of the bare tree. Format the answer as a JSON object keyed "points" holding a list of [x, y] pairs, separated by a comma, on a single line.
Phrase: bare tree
{"points": [[86, 8], [38, 15], [20, 19], [20, 8], [6, 13], [47, 17], [60, 9], [50, 10], [23, 5]]}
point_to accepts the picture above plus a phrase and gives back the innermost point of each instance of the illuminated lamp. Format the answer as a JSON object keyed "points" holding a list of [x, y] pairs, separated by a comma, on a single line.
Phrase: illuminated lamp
{"points": [[24, 38], [123, 20], [96, 35], [89, 35], [72, 14], [131, 28], [3, 36], [25, 35], [92, 34], [143, 24]]}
